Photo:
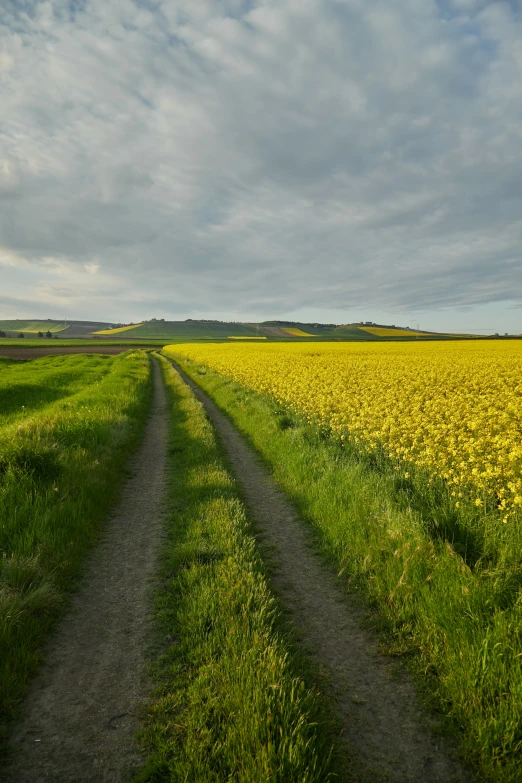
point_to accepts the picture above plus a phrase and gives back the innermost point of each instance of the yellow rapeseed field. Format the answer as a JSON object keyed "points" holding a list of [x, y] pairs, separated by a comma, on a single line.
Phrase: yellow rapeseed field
{"points": [[118, 329], [453, 409], [381, 331], [296, 332]]}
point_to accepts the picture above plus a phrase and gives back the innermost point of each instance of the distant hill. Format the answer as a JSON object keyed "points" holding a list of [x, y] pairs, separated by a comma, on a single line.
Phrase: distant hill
{"points": [[32, 327], [67, 329], [192, 329], [186, 330]]}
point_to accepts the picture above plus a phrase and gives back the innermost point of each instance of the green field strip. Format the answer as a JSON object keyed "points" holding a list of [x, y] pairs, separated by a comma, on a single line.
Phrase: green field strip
{"points": [[231, 701], [62, 462], [32, 326], [443, 584], [182, 329], [27, 390]]}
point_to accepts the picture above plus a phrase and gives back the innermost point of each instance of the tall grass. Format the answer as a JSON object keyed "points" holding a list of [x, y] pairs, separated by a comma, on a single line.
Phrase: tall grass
{"points": [[230, 704], [445, 584], [26, 388], [67, 426]]}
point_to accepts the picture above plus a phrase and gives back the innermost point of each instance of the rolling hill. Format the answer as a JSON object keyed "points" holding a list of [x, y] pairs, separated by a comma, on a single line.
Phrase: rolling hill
{"points": [[32, 327], [194, 330], [187, 330], [68, 329]]}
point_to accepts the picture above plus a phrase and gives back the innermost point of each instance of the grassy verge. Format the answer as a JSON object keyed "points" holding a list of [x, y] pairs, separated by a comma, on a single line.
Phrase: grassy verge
{"points": [[67, 427], [230, 703], [445, 584]]}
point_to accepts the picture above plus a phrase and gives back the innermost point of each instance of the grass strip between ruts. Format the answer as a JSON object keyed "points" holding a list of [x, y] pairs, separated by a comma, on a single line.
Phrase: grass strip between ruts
{"points": [[459, 625], [62, 461], [230, 704]]}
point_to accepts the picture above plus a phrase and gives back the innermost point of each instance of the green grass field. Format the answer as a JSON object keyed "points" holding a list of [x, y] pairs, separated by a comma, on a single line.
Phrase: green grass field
{"points": [[232, 703], [444, 584], [67, 427]]}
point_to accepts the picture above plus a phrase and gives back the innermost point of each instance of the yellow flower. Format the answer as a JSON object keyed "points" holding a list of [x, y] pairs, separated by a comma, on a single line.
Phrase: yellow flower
{"points": [[452, 409]]}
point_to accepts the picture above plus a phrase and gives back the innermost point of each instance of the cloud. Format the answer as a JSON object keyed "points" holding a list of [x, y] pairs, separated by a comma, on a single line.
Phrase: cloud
{"points": [[263, 157]]}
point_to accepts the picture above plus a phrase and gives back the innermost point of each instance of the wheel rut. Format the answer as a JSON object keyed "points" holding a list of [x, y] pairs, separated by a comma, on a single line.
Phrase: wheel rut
{"points": [[387, 732], [82, 710]]}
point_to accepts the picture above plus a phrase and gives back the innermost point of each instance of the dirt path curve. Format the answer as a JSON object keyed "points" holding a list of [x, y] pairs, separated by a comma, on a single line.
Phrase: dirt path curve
{"points": [[385, 728], [81, 712]]}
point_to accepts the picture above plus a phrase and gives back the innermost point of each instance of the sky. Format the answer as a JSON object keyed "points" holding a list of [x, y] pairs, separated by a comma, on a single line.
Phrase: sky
{"points": [[333, 161]]}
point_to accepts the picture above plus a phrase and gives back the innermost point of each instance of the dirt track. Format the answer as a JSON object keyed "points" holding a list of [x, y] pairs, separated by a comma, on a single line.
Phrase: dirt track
{"points": [[383, 724], [81, 713], [15, 352]]}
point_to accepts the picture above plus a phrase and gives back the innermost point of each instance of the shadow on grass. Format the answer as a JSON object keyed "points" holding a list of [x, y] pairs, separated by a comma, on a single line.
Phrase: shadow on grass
{"points": [[23, 397]]}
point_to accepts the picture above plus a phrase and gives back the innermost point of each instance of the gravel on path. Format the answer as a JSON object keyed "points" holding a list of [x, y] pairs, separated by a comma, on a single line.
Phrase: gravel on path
{"points": [[82, 711]]}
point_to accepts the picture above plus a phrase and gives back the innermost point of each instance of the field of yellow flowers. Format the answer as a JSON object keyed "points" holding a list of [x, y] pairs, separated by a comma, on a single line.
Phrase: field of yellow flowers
{"points": [[453, 410]]}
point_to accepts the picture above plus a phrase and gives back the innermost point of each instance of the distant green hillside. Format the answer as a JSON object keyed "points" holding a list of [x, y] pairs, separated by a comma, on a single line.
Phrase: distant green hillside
{"points": [[352, 332], [189, 330], [69, 329], [369, 332], [32, 327], [345, 332], [194, 330]]}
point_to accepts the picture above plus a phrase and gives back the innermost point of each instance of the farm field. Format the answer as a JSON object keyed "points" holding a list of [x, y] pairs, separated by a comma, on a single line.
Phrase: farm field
{"points": [[27, 352], [187, 330], [209, 330], [67, 427], [195, 330], [69, 329], [453, 410], [119, 329], [32, 327], [400, 464], [405, 460]]}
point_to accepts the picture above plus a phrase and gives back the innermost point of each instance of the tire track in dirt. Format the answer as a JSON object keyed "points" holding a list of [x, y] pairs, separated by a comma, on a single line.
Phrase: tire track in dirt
{"points": [[82, 710], [386, 730]]}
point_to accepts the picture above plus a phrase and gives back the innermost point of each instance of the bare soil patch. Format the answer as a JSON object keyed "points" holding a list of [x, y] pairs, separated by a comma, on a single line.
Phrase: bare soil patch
{"points": [[386, 729], [16, 352], [82, 711]]}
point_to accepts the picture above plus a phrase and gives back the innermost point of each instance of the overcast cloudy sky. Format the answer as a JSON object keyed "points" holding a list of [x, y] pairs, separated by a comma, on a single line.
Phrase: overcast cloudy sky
{"points": [[320, 160]]}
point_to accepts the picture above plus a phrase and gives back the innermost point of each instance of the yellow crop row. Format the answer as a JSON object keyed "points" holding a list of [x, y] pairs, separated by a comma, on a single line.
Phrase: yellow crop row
{"points": [[381, 331], [453, 409], [118, 329], [296, 332]]}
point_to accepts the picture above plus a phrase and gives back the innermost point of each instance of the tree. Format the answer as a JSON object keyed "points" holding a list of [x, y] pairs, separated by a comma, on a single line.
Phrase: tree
{"points": [[21, 334], [2, 333], [40, 334], [48, 335]]}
